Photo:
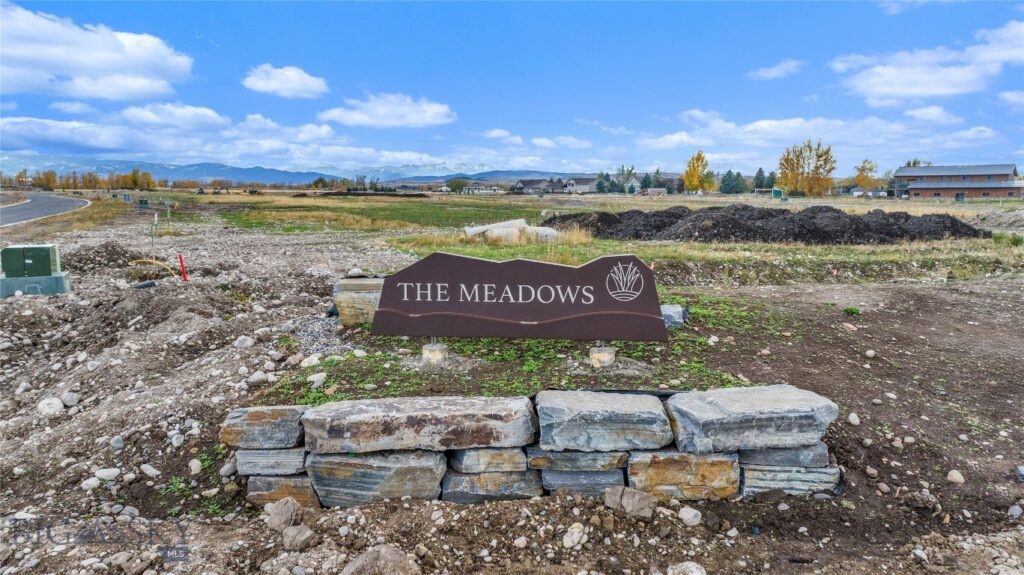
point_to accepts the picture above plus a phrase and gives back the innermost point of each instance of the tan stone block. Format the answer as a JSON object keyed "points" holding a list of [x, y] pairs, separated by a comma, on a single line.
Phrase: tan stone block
{"points": [[674, 475]]}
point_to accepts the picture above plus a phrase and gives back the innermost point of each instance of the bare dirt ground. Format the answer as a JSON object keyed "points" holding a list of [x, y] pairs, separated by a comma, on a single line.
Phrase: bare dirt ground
{"points": [[143, 378]]}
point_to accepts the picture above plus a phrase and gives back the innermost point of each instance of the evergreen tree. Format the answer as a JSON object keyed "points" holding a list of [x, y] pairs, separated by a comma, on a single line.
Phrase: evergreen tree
{"points": [[760, 180], [645, 182], [770, 181]]}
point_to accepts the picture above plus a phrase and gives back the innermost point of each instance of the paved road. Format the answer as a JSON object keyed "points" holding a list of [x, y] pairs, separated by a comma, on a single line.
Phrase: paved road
{"points": [[39, 205]]}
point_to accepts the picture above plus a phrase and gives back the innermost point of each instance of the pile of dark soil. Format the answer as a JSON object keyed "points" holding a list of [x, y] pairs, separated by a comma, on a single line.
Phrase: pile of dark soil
{"points": [[108, 255], [745, 223]]}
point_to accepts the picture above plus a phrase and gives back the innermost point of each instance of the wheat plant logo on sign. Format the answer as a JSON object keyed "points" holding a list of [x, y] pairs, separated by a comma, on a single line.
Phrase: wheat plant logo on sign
{"points": [[624, 282]]}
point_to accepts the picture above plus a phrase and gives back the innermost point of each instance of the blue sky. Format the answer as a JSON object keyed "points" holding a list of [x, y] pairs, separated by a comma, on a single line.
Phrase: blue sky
{"points": [[568, 87]]}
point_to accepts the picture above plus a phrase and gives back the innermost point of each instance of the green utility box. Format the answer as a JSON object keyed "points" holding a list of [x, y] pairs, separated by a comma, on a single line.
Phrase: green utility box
{"points": [[32, 270], [24, 261]]}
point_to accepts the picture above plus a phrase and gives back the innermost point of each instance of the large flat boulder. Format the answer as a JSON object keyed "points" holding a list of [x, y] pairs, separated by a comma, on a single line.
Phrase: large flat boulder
{"points": [[488, 459], [587, 483], [807, 456], [749, 418], [673, 475], [261, 489], [593, 421], [346, 480], [275, 427], [495, 486], [537, 458], [409, 423], [792, 480], [271, 461]]}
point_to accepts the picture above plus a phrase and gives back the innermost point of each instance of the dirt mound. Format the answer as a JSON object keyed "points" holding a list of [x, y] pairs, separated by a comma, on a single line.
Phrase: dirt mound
{"points": [[598, 223], [742, 222], [108, 255]]}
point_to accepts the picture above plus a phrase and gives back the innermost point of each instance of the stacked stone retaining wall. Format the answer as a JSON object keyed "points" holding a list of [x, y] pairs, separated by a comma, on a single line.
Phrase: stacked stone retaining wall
{"points": [[695, 445]]}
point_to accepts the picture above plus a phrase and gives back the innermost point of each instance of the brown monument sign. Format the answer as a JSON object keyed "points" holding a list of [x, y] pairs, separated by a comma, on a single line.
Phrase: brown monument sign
{"points": [[612, 297]]}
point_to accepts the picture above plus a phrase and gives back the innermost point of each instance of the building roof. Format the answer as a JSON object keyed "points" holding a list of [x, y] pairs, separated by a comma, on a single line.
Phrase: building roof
{"points": [[582, 181], [980, 170], [532, 183], [919, 185]]}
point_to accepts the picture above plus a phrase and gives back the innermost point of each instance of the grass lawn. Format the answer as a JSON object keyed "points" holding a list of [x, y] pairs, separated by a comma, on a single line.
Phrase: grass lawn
{"points": [[756, 263]]}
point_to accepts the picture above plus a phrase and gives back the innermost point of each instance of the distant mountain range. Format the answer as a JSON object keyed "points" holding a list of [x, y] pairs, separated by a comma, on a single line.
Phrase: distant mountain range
{"points": [[206, 171]]}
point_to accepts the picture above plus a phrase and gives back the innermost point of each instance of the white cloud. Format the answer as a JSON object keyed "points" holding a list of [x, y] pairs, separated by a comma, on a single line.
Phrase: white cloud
{"points": [[894, 7], [72, 107], [286, 82], [670, 141], [186, 136], [934, 72], [390, 111], [784, 68], [504, 135], [176, 115], [25, 132], [572, 143], [257, 126], [1014, 98], [613, 130], [960, 139], [936, 114], [42, 53]]}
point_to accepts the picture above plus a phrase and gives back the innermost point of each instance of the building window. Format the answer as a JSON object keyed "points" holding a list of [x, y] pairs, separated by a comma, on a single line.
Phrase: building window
{"points": [[984, 194], [916, 194], [989, 178], [942, 178], [937, 194], [963, 178], [1009, 194]]}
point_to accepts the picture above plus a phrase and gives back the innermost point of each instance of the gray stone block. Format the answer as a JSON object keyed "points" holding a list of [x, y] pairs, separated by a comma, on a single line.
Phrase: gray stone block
{"points": [[274, 427], [538, 458], [674, 315], [749, 418], [592, 421], [262, 489], [270, 461], [488, 459], [808, 456], [792, 480], [587, 483], [431, 423], [673, 475], [345, 480], [497, 486]]}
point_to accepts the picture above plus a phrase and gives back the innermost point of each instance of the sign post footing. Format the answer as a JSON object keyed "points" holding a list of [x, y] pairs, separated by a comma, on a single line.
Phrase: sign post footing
{"points": [[602, 356], [435, 354]]}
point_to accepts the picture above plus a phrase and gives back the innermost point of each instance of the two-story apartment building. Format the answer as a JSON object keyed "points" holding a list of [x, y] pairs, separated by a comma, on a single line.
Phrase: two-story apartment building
{"points": [[958, 182]]}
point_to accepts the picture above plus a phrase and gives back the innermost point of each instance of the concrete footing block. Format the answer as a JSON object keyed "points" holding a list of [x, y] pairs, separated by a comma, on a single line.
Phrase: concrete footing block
{"points": [[602, 356], [435, 354]]}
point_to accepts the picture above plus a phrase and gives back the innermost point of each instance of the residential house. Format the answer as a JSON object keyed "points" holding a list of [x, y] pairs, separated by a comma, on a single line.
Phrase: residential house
{"points": [[632, 186], [959, 182], [581, 185], [538, 186]]}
